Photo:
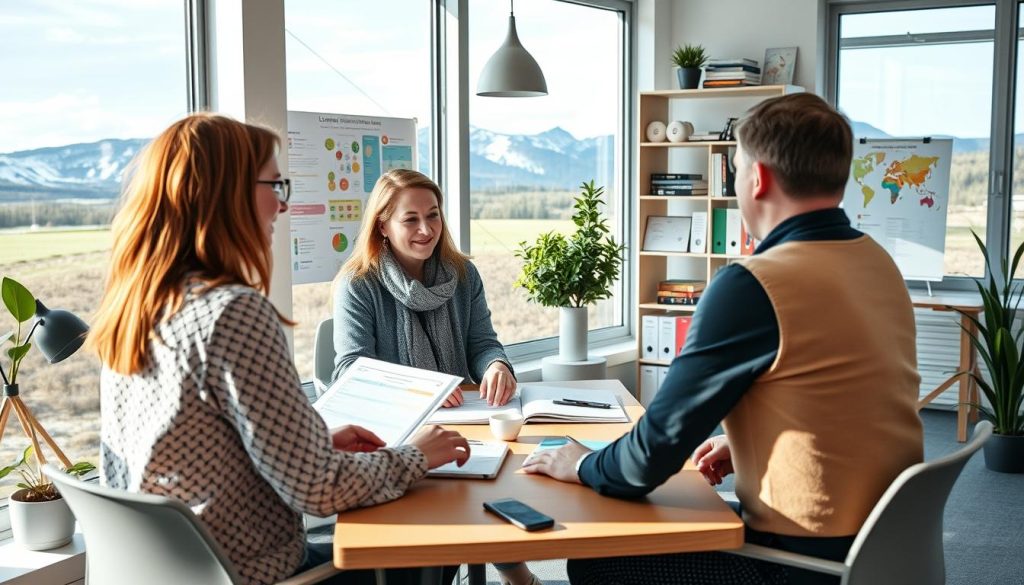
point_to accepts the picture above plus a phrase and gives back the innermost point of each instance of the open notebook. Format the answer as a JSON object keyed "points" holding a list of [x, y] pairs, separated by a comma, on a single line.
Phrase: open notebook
{"points": [[537, 404]]}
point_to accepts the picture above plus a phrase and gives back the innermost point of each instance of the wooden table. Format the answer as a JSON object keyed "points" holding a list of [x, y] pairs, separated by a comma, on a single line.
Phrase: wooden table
{"points": [[970, 304], [442, 521]]}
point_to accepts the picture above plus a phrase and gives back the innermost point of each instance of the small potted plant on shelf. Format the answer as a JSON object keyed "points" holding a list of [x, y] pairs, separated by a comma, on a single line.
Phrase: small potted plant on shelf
{"points": [[573, 272], [689, 59], [40, 518], [1004, 358]]}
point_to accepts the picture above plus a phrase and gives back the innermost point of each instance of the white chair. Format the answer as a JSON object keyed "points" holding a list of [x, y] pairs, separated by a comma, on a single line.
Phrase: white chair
{"points": [[144, 538], [323, 355], [901, 540]]}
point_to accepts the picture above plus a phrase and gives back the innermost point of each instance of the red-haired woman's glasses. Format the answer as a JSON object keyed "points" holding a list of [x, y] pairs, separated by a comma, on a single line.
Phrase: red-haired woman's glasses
{"points": [[282, 188]]}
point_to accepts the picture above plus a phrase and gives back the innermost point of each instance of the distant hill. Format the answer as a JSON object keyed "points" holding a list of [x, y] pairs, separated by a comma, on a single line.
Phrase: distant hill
{"points": [[551, 160]]}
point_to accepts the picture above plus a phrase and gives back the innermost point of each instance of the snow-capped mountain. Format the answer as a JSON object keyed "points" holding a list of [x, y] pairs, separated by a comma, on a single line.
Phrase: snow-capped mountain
{"points": [[86, 171]]}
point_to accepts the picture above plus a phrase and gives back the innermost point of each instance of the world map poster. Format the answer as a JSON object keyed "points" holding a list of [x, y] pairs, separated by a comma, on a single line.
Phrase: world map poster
{"points": [[898, 194]]}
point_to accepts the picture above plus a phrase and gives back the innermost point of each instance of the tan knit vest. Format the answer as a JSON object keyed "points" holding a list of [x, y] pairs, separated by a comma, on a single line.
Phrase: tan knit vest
{"points": [[822, 433]]}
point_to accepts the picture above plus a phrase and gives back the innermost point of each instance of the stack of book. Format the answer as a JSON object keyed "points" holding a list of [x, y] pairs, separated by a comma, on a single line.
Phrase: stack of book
{"points": [[680, 292], [705, 136], [678, 184], [731, 73]]}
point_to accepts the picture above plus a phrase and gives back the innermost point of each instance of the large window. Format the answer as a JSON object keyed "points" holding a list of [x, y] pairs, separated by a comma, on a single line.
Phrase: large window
{"points": [[916, 73], [83, 90], [528, 156], [351, 57]]}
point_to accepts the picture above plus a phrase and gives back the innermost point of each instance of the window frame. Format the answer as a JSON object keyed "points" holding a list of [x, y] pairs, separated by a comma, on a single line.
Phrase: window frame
{"points": [[626, 233], [1005, 36]]}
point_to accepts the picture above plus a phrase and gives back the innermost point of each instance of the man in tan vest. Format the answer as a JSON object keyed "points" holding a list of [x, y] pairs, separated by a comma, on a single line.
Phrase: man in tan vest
{"points": [[805, 352]]}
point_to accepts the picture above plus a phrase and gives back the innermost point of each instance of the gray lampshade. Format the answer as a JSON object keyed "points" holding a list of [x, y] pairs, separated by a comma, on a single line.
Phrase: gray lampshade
{"points": [[59, 333], [511, 71]]}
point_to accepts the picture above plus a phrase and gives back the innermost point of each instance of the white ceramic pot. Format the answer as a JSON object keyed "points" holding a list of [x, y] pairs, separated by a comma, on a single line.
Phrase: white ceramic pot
{"points": [[572, 334], [40, 525]]}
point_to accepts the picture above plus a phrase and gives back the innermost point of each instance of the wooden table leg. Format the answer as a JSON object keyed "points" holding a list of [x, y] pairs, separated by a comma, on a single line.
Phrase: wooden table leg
{"points": [[967, 359]]}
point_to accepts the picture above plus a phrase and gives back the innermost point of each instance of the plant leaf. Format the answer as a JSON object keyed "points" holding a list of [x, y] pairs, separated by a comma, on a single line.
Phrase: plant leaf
{"points": [[18, 300], [17, 352]]}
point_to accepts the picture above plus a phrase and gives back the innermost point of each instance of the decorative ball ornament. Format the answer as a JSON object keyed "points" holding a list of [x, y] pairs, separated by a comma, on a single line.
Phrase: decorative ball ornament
{"points": [[679, 131], [656, 131]]}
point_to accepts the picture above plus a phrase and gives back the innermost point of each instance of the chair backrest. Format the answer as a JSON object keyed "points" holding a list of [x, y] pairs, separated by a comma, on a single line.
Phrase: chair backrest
{"points": [[323, 353], [141, 538], [901, 540]]}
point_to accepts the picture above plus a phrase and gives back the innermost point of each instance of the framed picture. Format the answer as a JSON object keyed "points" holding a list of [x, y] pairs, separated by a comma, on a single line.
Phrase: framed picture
{"points": [[667, 234], [779, 66]]}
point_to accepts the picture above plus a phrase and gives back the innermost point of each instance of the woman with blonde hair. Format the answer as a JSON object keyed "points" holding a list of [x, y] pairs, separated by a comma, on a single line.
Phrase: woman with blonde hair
{"points": [[409, 296], [200, 400]]}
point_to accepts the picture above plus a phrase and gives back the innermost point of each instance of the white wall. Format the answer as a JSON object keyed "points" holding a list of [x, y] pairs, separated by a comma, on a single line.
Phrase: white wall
{"points": [[745, 28]]}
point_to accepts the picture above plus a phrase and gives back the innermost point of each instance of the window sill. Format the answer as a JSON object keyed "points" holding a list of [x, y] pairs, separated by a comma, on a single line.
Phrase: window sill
{"points": [[616, 353], [59, 566]]}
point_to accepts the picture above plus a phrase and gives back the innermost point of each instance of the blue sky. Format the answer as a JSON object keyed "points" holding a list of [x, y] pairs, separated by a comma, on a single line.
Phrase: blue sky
{"points": [[82, 71]]}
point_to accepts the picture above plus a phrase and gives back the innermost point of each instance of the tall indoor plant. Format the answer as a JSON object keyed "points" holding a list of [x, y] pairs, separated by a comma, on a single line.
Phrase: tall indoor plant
{"points": [[689, 59], [1003, 356], [573, 272]]}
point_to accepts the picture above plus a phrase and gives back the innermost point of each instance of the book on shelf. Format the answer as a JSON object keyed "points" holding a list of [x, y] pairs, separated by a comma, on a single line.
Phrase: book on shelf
{"points": [[732, 62], [681, 285], [733, 69], [683, 191], [699, 232], [678, 300], [705, 137], [676, 294], [679, 183], [676, 176], [537, 404], [733, 77], [729, 83]]}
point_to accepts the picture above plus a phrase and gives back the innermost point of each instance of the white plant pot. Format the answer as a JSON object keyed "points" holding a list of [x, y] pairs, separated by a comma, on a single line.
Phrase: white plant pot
{"points": [[572, 334], [40, 525]]}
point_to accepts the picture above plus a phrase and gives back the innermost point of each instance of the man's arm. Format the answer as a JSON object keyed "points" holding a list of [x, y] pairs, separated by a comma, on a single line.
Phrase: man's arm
{"points": [[733, 339]]}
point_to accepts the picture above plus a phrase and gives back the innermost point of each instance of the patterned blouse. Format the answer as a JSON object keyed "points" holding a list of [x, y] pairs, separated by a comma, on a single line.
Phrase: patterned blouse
{"points": [[218, 421]]}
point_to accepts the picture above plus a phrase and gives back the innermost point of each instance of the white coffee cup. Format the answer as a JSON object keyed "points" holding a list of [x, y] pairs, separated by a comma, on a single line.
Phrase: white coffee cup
{"points": [[506, 425]]}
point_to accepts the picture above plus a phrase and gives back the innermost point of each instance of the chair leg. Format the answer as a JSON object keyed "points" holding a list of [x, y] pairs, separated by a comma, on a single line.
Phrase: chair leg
{"points": [[432, 576], [477, 575]]}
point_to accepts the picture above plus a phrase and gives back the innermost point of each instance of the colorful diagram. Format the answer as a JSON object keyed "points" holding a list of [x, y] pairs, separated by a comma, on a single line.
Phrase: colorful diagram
{"points": [[339, 242], [345, 209]]}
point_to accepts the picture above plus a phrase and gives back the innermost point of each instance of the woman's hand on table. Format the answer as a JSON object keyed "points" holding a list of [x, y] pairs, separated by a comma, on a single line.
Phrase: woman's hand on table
{"points": [[498, 384], [355, 439], [440, 446], [454, 399]]}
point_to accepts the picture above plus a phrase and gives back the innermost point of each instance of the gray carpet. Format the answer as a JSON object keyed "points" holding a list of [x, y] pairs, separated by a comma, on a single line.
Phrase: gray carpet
{"points": [[984, 523]]}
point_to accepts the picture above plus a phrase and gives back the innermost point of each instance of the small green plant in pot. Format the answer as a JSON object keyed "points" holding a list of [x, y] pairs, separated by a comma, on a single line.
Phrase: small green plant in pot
{"points": [[573, 272], [40, 518], [1002, 353], [689, 59]]}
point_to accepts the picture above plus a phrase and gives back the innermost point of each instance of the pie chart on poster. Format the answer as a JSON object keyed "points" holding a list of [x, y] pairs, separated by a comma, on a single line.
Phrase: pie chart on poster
{"points": [[339, 242]]}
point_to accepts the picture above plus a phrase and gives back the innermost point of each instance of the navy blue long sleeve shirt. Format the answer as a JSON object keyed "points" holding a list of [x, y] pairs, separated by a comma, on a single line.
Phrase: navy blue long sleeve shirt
{"points": [[733, 339]]}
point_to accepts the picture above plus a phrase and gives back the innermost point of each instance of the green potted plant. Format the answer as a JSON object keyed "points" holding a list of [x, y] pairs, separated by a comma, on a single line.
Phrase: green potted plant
{"points": [[689, 59], [1004, 358], [573, 272], [40, 518]]}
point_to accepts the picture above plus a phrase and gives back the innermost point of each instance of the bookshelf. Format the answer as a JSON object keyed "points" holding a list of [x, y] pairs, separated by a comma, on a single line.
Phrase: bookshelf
{"points": [[682, 157]]}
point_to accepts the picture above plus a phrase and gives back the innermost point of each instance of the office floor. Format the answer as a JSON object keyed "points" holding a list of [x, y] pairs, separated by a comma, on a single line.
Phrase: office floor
{"points": [[984, 523]]}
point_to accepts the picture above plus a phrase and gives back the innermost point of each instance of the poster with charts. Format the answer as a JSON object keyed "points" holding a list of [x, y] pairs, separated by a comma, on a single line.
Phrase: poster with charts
{"points": [[334, 161], [898, 193]]}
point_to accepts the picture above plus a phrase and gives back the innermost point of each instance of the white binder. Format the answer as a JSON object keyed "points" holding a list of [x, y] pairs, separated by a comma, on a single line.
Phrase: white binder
{"points": [[648, 384], [733, 229], [699, 232], [649, 337], [666, 338]]}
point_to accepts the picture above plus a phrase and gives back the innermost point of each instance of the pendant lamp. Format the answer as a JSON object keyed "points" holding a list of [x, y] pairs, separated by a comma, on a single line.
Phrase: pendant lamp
{"points": [[511, 71]]}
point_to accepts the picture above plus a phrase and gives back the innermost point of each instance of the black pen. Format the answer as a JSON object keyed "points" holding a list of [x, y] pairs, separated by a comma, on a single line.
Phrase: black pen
{"points": [[585, 403]]}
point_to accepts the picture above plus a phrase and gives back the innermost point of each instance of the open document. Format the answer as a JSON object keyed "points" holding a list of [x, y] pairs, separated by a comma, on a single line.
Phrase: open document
{"points": [[388, 399], [539, 404]]}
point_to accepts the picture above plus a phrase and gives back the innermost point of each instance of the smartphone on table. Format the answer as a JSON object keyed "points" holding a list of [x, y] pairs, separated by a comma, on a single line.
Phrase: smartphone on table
{"points": [[519, 514]]}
